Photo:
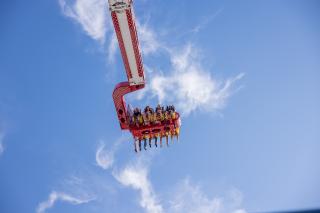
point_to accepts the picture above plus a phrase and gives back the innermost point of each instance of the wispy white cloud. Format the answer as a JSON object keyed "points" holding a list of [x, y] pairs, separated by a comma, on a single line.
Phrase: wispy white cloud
{"points": [[112, 48], [189, 85], [60, 196], [190, 198], [90, 14], [206, 21], [147, 38], [184, 197], [105, 156], [1, 148], [1, 141], [135, 175]]}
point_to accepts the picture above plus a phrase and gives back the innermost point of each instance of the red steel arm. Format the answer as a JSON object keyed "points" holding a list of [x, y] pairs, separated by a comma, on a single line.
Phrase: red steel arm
{"points": [[119, 91]]}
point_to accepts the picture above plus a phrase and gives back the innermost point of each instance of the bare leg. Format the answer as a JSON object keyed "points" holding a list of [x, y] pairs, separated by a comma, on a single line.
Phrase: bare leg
{"points": [[145, 144], [135, 146], [155, 141]]}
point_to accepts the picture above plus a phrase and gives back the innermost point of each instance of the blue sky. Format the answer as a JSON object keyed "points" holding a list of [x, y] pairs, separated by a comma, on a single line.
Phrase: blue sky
{"points": [[245, 76]]}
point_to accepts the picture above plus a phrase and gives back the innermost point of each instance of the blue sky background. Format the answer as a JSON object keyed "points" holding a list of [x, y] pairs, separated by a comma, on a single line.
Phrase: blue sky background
{"points": [[249, 146]]}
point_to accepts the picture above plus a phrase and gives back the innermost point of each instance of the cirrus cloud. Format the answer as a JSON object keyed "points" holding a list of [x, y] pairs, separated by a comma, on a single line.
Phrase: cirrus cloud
{"points": [[136, 176], [189, 198], [104, 158], [90, 14], [189, 85], [60, 196], [1, 141], [185, 196]]}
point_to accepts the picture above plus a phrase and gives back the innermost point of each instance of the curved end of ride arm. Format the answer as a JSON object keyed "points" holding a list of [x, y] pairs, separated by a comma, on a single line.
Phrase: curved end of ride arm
{"points": [[119, 92]]}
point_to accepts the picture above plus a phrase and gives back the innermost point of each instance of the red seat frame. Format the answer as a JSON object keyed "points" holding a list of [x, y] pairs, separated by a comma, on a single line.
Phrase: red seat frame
{"points": [[163, 129]]}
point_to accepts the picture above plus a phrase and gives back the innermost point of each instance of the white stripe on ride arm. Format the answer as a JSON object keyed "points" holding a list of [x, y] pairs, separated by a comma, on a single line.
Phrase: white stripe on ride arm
{"points": [[127, 40]]}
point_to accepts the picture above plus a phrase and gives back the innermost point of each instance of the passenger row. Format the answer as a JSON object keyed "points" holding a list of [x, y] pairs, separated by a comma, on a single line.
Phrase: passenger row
{"points": [[151, 116]]}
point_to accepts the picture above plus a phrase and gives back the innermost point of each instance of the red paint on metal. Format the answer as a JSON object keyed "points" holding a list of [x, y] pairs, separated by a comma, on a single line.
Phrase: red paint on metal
{"points": [[121, 44], [119, 91], [156, 130], [135, 42], [143, 131]]}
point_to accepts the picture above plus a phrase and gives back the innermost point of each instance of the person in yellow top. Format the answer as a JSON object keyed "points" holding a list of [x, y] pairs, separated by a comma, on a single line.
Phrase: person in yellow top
{"points": [[166, 116], [157, 116], [137, 117], [151, 116], [145, 117], [162, 117], [173, 115], [140, 119]]}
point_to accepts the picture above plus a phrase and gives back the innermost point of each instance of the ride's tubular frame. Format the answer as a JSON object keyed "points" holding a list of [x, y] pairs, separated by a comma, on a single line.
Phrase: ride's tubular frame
{"points": [[125, 29], [123, 20], [124, 24]]}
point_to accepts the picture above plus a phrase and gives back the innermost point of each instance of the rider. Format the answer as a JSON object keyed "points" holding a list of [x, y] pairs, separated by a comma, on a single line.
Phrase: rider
{"points": [[158, 114], [140, 118], [151, 116], [135, 116]]}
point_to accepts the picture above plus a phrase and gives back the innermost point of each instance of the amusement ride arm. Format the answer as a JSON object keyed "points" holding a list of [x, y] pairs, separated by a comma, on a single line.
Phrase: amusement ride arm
{"points": [[125, 28]]}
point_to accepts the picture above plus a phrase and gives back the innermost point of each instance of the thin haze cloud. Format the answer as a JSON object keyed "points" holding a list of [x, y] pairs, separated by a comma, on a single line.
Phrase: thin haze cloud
{"points": [[186, 196], [90, 14], [191, 86], [206, 21], [112, 48], [148, 40], [1, 141], [189, 198], [104, 156], [136, 176], [60, 196]]}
